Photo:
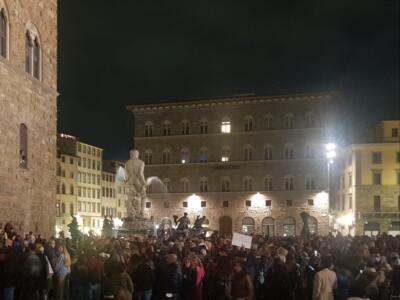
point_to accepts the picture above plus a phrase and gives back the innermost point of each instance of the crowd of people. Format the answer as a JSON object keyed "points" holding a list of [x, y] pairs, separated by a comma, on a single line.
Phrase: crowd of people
{"points": [[199, 267]]}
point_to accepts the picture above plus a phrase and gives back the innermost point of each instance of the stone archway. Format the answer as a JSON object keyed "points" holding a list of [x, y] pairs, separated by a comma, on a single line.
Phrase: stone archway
{"points": [[225, 225]]}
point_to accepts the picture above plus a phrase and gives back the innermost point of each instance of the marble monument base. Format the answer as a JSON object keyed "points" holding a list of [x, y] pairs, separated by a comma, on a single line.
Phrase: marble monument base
{"points": [[137, 227]]}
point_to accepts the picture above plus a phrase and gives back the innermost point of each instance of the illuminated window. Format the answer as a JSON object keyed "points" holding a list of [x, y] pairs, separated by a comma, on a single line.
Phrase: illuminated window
{"points": [[248, 123], [167, 185], [225, 154], [166, 156], [203, 154], [185, 127], [288, 121], [248, 183], [248, 225], [289, 227], [203, 126], [167, 128], [185, 156], [226, 125], [203, 185], [3, 33], [288, 183], [148, 129], [248, 152]]}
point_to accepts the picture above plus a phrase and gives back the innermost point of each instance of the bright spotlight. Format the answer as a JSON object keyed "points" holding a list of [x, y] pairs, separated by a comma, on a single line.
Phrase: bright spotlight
{"points": [[331, 154], [330, 146], [258, 200], [194, 202]]}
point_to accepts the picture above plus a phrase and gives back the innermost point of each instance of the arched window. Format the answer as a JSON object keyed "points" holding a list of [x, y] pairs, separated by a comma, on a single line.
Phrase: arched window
{"points": [[28, 53], [23, 146], [36, 58], [225, 154], [288, 121], [288, 183], [71, 189], [167, 128], [310, 183], [63, 208], [289, 152], [148, 129], [225, 184], [167, 185], [185, 185], [226, 125], [185, 156], [58, 188], [268, 226], [268, 120], [63, 188], [268, 152], [203, 154], [3, 33], [248, 183], [166, 156], [203, 126], [248, 152], [289, 227], [310, 120], [148, 157], [312, 225], [203, 185], [71, 209], [248, 123], [185, 127], [248, 225], [268, 183]]}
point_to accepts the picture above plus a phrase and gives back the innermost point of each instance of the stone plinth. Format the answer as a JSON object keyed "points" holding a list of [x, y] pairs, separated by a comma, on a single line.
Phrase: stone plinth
{"points": [[140, 227]]}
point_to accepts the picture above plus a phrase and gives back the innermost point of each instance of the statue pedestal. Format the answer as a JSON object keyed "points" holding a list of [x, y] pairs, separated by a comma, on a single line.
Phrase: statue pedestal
{"points": [[138, 227]]}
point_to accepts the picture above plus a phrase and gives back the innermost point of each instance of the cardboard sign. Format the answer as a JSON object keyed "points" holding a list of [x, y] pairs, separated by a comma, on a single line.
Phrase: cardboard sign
{"points": [[240, 240]]}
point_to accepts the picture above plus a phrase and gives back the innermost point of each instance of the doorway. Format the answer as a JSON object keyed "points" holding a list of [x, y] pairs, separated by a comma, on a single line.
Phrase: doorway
{"points": [[225, 225]]}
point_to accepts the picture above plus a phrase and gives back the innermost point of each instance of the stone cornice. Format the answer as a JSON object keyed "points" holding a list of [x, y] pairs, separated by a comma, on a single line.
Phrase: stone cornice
{"points": [[234, 100]]}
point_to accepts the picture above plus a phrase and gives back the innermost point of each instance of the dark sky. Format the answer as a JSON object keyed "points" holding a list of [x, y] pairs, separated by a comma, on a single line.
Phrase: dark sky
{"points": [[114, 53]]}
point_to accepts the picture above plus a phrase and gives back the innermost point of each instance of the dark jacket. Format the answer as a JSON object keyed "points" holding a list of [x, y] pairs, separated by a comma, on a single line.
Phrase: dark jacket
{"points": [[143, 278], [171, 279]]}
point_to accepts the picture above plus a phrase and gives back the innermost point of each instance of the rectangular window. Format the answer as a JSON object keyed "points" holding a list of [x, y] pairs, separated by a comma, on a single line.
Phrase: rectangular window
{"points": [[63, 158], [343, 202], [148, 204], [23, 146], [166, 204], [377, 203], [395, 132], [376, 178], [268, 202], [226, 126], [226, 203], [398, 156], [184, 204], [310, 202], [203, 203], [350, 180], [376, 157], [350, 202], [71, 160], [289, 202], [398, 202], [248, 203]]}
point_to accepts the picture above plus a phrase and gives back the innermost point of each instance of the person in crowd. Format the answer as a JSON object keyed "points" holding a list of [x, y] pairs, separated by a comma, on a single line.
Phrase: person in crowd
{"points": [[143, 278], [95, 266], [80, 279], [62, 270], [242, 283], [278, 284], [325, 281]]}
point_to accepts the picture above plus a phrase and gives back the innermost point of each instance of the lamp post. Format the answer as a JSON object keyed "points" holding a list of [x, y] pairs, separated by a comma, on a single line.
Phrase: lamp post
{"points": [[330, 155]]}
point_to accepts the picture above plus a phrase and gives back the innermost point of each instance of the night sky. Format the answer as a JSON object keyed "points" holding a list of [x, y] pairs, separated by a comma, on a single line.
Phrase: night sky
{"points": [[114, 53]]}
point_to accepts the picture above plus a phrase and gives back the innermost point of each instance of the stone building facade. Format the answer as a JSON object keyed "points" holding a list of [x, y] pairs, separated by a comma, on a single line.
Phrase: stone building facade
{"points": [[250, 164], [28, 112], [369, 200]]}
